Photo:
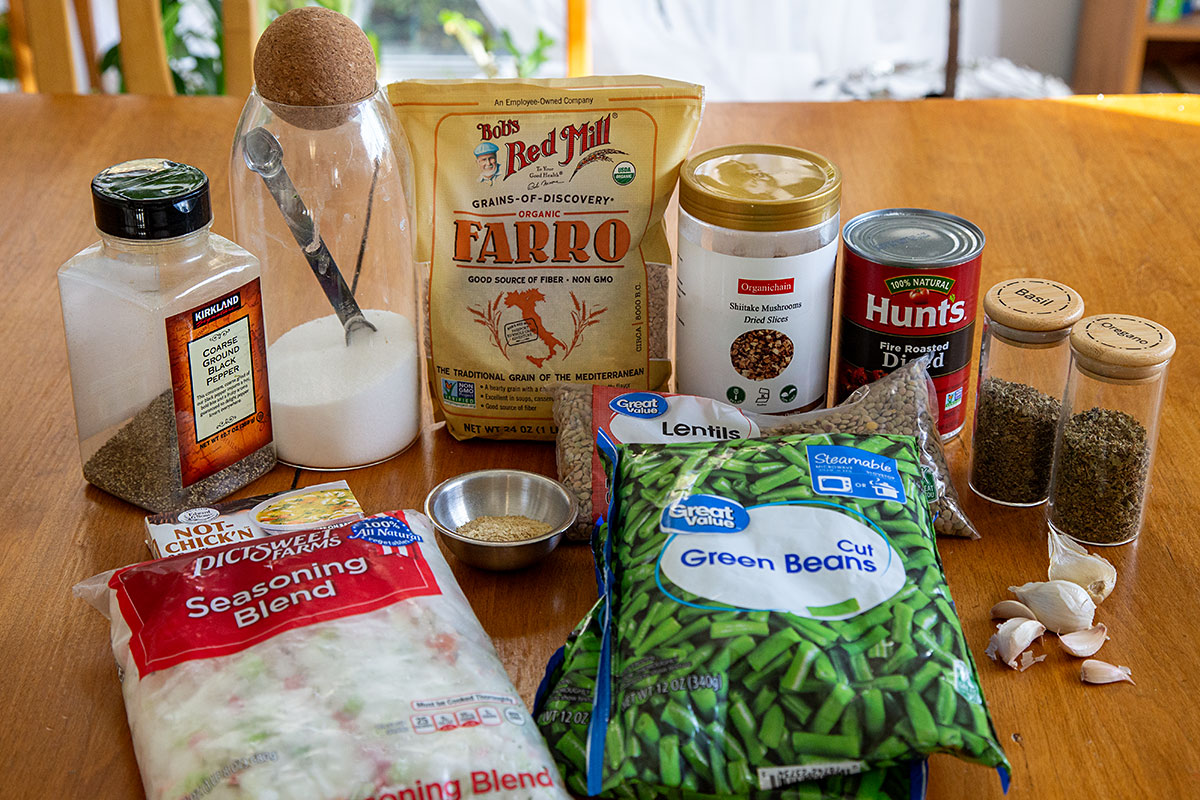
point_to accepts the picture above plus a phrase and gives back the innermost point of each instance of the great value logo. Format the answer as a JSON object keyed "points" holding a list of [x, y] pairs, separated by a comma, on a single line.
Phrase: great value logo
{"points": [[639, 405], [676, 419], [704, 513]]}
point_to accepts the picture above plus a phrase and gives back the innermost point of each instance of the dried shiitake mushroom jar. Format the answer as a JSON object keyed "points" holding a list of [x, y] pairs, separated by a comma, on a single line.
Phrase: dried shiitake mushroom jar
{"points": [[758, 235]]}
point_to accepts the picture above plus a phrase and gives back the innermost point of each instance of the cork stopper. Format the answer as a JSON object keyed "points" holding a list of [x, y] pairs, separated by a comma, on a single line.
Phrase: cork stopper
{"points": [[1033, 304], [310, 63], [1121, 345]]}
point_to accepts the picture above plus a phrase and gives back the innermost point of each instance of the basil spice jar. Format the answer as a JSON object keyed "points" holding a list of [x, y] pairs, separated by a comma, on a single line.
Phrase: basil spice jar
{"points": [[1023, 363], [758, 236]]}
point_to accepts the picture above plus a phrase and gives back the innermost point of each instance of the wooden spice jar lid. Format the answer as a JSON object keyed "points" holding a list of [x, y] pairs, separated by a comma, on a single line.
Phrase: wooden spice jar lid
{"points": [[1122, 340], [1033, 304]]}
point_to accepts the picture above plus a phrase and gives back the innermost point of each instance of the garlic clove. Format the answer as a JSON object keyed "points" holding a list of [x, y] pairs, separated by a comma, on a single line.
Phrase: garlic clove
{"points": [[1028, 659], [1085, 643], [1061, 606], [1008, 609], [1012, 638], [1070, 562], [1094, 671]]}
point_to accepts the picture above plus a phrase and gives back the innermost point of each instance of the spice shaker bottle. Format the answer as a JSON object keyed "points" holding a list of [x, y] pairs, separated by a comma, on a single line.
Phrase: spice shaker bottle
{"points": [[1104, 449], [318, 195], [1023, 365], [758, 234], [164, 333]]}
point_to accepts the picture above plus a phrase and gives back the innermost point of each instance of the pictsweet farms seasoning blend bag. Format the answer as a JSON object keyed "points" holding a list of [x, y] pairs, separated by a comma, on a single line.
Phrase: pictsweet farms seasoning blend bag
{"points": [[539, 210]]}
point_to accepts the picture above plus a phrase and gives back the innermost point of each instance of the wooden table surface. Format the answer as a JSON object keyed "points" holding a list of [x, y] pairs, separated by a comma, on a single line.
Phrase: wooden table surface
{"points": [[1101, 194]]}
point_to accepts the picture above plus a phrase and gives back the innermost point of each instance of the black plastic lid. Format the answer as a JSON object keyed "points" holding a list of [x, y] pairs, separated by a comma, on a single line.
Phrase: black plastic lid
{"points": [[151, 198]]}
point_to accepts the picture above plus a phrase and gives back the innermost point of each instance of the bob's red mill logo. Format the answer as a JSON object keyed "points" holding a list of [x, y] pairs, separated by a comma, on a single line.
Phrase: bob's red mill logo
{"points": [[569, 141]]}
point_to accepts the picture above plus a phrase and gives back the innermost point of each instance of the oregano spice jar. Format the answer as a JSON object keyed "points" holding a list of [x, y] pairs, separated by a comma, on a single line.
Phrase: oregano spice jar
{"points": [[1104, 449], [1023, 365]]}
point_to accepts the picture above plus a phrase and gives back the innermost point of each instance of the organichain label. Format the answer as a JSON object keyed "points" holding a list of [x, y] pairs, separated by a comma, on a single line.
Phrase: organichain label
{"points": [[621, 417], [808, 558], [223, 600], [539, 211]]}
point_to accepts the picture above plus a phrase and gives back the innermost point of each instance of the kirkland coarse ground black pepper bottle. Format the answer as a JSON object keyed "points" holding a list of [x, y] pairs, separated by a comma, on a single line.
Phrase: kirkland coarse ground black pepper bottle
{"points": [[1023, 365], [1108, 427], [164, 333]]}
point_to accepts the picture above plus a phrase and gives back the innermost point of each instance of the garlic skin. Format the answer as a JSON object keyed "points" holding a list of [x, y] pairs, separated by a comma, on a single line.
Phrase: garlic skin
{"points": [[1028, 659], [1008, 609], [1094, 671], [1011, 638], [1070, 562], [1082, 644], [1061, 606]]}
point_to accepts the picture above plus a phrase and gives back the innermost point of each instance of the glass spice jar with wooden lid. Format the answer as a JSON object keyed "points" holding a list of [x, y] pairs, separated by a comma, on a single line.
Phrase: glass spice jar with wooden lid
{"points": [[1104, 449], [1023, 365]]}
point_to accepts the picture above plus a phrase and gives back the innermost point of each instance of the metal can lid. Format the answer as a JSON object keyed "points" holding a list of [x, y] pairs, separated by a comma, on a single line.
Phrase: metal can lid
{"points": [[760, 187], [913, 237], [1122, 340], [1033, 304]]}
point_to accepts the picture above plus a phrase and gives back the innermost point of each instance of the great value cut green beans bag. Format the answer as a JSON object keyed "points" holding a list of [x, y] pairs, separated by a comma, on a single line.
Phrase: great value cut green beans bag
{"points": [[772, 611]]}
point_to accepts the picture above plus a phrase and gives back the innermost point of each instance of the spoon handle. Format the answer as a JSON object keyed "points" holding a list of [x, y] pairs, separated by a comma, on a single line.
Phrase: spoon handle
{"points": [[299, 222]]}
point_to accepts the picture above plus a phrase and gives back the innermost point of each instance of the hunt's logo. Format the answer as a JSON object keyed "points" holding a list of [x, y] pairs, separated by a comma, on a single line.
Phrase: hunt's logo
{"points": [[908, 283], [564, 144]]}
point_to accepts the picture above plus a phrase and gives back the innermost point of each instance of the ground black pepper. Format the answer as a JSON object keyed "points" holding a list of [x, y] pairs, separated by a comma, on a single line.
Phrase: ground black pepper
{"points": [[140, 464]]}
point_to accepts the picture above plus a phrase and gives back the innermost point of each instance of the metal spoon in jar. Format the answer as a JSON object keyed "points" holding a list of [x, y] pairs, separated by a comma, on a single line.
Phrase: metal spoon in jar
{"points": [[264, 156]]}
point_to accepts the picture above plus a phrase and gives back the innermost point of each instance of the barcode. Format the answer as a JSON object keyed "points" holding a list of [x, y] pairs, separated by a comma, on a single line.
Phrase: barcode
{"points": [[778, 777]]}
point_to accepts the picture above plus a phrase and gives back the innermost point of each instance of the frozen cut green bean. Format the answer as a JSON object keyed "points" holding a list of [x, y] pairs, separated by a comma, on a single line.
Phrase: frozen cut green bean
{"points": [[714, 693]]}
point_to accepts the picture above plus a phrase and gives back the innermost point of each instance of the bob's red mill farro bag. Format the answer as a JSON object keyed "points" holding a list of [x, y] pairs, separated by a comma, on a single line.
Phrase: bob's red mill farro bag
{"points": [[539, 229]]}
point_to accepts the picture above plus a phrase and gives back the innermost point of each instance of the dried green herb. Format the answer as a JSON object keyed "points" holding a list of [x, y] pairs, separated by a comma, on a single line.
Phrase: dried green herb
{"points": [[1014, 442], [1103, 468]]}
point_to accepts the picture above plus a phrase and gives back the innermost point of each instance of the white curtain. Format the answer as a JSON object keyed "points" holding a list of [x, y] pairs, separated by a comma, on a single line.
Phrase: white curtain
{"points": [[742, 49]]}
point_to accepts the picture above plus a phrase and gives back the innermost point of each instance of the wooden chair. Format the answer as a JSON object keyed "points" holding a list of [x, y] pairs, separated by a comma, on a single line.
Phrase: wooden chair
{"points": [[46, 59]]}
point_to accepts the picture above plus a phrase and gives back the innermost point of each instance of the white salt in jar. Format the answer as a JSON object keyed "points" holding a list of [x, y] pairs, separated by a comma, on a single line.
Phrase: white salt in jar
{"points": [[336, 405]]}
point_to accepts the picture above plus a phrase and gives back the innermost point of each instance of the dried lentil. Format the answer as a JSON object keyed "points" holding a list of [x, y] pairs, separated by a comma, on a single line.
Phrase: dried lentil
{"points": [[898, 404]]}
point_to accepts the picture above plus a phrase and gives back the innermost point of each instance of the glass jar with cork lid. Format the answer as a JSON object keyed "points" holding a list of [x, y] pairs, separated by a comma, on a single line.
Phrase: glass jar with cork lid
{"points": [[758, 234], [1023, 364], [318, 195], [1104, 449]]}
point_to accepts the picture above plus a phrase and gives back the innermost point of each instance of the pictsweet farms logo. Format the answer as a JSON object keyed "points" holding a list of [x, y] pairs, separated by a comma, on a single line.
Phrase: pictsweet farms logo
{"points": [[586, 141]]}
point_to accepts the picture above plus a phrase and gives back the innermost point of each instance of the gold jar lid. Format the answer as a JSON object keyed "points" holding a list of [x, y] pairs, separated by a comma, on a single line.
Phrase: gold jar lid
{"points": [[1033, 304], [760, 187], [1121, 345]]}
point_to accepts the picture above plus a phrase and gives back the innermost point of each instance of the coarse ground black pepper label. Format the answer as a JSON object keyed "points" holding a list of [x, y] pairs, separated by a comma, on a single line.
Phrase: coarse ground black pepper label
{"points": [[219, 374]]}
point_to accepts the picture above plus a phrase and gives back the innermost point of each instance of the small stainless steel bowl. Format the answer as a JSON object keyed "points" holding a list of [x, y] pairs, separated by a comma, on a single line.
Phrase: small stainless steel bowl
{"points": [[500, 493]]}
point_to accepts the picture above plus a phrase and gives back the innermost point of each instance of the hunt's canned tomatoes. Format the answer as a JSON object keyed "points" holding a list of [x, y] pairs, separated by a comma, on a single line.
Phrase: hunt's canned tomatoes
{"points": [[910, 279]]}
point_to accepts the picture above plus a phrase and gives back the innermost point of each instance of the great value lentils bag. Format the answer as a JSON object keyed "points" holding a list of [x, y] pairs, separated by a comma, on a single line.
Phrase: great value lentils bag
{"points": [[539, 235], [340, 664], [773, 611]]}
